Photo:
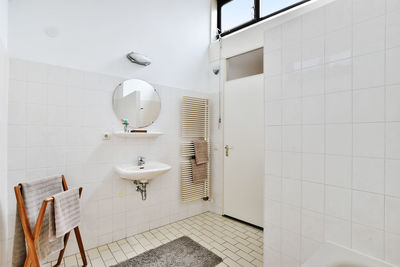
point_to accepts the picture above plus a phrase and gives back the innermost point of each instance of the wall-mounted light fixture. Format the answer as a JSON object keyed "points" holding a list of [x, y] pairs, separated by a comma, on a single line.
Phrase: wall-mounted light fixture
{"points": [[139, 59]]}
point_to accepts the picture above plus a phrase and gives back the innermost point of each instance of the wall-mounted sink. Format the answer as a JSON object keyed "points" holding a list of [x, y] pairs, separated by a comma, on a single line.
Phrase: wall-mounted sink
{"points": [[144, 173], [141, 173]]}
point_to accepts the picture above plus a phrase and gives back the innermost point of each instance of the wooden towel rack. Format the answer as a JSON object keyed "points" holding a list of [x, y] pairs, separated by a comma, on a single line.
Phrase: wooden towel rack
{"points": [[32, 238]]}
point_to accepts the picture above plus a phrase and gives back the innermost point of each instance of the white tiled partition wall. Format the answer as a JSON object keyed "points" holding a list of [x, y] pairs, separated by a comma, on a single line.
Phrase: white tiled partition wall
{"points": [[333, 132], [57, 118], [3, 151]]}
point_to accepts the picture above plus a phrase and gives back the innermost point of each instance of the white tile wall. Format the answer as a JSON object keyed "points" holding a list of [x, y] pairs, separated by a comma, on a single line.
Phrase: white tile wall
{"points": [[3, 153], [57, 117], [333, 139]]}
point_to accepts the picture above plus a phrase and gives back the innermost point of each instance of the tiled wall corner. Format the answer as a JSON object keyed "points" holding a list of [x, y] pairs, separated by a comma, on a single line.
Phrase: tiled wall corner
{"points": [[216, 140], [332, 132]]}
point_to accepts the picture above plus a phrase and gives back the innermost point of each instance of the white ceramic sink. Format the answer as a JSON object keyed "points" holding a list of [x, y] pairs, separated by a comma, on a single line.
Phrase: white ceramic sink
{"points": [[150, 170]]}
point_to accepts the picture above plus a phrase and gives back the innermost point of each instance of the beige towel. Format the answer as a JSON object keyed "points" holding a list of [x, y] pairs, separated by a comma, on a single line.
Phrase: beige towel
{"points": [[66, 212], [33, 194], [199, 172], [201, 151]]}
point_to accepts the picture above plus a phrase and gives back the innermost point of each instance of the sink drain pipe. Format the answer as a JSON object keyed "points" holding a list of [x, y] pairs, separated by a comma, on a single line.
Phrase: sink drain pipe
{"points": [[141, 187]]}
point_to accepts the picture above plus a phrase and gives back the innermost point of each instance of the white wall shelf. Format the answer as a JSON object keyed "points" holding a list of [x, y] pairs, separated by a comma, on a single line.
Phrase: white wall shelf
{"points": [[138, 135]]}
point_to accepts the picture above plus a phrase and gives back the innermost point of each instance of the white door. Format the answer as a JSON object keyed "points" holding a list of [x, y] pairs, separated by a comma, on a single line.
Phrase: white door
{"points": [[244, 149]]}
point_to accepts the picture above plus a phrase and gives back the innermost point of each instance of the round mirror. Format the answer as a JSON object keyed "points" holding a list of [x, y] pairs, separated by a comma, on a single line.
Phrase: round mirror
{"points": [[136, 101]]}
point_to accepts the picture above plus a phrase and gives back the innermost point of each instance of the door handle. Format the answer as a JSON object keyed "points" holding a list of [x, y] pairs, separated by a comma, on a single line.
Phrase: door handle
{"points": [[227, 150]]}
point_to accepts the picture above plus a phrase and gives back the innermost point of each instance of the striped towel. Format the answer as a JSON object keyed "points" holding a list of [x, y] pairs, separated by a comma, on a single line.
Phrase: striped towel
{"points": [[66, 212], [33, 194]]}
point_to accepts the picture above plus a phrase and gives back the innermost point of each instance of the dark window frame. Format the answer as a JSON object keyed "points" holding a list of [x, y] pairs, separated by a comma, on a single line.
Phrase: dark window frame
{"points": [[257, 14]]}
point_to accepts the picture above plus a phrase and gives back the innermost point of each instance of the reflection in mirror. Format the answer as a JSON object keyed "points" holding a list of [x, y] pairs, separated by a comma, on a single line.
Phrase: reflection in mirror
{"points": [[136, 101]]}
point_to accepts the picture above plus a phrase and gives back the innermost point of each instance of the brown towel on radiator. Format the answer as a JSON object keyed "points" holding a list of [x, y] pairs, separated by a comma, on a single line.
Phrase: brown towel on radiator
{"points": [[201, 151], [199, 172]]}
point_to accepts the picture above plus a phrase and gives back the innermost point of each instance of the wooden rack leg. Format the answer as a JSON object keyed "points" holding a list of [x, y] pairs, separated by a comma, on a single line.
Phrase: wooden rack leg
{"points": [[80, 244], [28, 260], [32, 258], [61, 255]]}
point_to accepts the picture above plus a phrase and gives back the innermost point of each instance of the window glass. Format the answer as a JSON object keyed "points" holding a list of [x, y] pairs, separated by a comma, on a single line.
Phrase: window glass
{"points": [[271, 6], [235, 13]]}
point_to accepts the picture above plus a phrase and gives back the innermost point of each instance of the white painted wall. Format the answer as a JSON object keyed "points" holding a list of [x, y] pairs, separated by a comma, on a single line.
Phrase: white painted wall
{"points": [[332, 81], [96, 36], [4, 22]]}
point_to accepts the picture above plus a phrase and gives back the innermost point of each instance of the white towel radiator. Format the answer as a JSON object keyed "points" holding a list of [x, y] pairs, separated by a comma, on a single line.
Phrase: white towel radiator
{"points": [[194, 126]]}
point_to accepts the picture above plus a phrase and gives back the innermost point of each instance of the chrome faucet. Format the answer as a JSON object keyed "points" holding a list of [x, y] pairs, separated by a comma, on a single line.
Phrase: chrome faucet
{"points": [[141, 162]]}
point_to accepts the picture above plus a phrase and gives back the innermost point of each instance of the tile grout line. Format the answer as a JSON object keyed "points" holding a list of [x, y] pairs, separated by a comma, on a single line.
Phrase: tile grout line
{"points": [[384, 133], [352, 126]]}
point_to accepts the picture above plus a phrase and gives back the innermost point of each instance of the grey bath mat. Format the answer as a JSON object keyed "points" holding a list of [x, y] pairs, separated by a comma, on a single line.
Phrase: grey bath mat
{"points": [[181, 252]]}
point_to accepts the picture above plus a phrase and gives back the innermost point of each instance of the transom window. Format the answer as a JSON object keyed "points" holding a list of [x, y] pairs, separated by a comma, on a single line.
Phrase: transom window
{"points": [[234, 15]]}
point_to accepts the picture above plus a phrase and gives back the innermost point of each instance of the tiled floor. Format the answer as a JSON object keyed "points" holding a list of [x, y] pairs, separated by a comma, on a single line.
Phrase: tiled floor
{"points": [[237, 243]]}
